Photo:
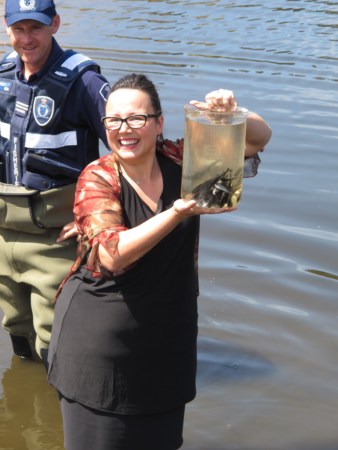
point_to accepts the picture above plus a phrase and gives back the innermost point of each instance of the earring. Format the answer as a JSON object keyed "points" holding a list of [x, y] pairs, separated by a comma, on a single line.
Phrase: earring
{"points": [[160, 139]]}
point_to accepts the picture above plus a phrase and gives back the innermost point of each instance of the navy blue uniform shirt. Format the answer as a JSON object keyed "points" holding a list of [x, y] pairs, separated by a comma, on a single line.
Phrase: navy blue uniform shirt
{"points": [[88, 94]]}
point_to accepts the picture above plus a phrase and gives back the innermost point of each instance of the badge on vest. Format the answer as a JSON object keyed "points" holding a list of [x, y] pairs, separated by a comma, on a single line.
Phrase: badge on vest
{"points": [[5, 86], [43, 110]]}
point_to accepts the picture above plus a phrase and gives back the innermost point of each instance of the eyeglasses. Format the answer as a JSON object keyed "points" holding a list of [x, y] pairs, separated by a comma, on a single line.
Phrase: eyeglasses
{"points": [[134, 121]]}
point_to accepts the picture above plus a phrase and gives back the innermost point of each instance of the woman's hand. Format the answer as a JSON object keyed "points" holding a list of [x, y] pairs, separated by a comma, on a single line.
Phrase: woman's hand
{"points": [[220, 100], [187, 208], [136, 242], [68, 231], [258, 132]]}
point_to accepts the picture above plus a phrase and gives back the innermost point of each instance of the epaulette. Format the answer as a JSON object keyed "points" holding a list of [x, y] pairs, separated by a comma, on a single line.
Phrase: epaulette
{"points": [[71, 64], [8, 62]]}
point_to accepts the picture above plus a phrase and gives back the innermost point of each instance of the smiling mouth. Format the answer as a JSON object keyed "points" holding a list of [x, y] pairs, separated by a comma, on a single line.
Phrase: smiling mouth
{"points": [[28, 49], [128, 142]]}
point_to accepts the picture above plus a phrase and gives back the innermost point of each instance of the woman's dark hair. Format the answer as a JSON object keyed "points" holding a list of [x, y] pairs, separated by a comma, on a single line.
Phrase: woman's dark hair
{"points": [[142, 83]]}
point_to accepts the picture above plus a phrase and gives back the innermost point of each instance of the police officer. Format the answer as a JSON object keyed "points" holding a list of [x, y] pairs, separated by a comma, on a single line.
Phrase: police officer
{"points": [[51, 102]]}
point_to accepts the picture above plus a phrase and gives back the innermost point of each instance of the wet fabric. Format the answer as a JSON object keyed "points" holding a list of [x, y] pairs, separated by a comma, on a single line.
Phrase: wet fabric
{"points": [[87, 429]]}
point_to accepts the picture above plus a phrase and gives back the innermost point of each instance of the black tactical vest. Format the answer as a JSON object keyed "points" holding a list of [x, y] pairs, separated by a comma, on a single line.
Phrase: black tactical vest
{"points": [[38, 149]]}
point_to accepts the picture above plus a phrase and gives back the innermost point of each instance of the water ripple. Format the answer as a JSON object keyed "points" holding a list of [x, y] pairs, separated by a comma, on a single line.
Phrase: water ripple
{"points": [[309, 232]]}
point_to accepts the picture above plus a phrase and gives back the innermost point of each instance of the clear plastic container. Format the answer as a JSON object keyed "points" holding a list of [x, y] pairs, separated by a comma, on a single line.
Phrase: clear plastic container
{"points": [[213, 157]]}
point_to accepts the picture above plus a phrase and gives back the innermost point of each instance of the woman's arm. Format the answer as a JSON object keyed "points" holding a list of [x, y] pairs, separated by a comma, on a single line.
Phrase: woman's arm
{"points": [[258, 134], [136, 242]]}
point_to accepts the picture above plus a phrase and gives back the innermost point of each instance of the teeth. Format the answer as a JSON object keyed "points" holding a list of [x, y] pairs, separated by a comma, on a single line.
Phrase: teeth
{"points": [[128, 141]]}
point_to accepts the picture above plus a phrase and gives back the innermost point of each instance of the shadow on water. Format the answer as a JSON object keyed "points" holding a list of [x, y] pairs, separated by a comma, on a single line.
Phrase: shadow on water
{"points": [[219, 361]]}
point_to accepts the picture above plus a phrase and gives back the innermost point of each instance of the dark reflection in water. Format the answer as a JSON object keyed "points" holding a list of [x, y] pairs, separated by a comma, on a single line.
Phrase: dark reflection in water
{"points": [[323, 274], [219, 361]]}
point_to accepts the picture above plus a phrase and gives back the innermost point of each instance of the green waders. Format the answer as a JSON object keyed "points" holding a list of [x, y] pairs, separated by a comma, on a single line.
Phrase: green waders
{"points": [[32, 263]]}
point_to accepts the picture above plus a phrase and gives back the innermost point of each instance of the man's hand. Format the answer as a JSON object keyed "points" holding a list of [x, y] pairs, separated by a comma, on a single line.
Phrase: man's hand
{"points": [[68, 231]]}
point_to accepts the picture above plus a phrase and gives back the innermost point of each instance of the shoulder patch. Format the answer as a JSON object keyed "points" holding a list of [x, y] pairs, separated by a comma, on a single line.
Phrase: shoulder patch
{"points": [[104, 91]]}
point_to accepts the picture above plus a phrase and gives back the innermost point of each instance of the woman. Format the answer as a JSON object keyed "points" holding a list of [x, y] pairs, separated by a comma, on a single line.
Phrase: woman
{"points": [[123, 348]]}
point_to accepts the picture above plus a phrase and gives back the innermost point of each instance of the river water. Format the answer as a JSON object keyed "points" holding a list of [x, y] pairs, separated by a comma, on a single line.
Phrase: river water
{"points": [[268, 340]]}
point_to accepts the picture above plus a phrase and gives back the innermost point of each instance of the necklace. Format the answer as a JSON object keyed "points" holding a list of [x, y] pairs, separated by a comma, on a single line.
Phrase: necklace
{"points": [[138, 182]]}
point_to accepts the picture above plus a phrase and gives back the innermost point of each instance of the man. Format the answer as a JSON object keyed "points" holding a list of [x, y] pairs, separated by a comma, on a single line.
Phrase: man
{"points": [[51, 102]]}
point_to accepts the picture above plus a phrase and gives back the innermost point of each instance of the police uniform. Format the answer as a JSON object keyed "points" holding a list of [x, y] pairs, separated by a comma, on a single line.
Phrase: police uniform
{"points": [[48, 134]]}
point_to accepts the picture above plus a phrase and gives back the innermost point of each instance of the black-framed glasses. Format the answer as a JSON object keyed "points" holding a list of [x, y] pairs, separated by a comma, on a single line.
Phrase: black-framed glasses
{"points": [[133, 121]]}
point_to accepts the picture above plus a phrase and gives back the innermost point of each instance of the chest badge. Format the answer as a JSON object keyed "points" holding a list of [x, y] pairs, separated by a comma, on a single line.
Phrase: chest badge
{"points": [[43, 110]]}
